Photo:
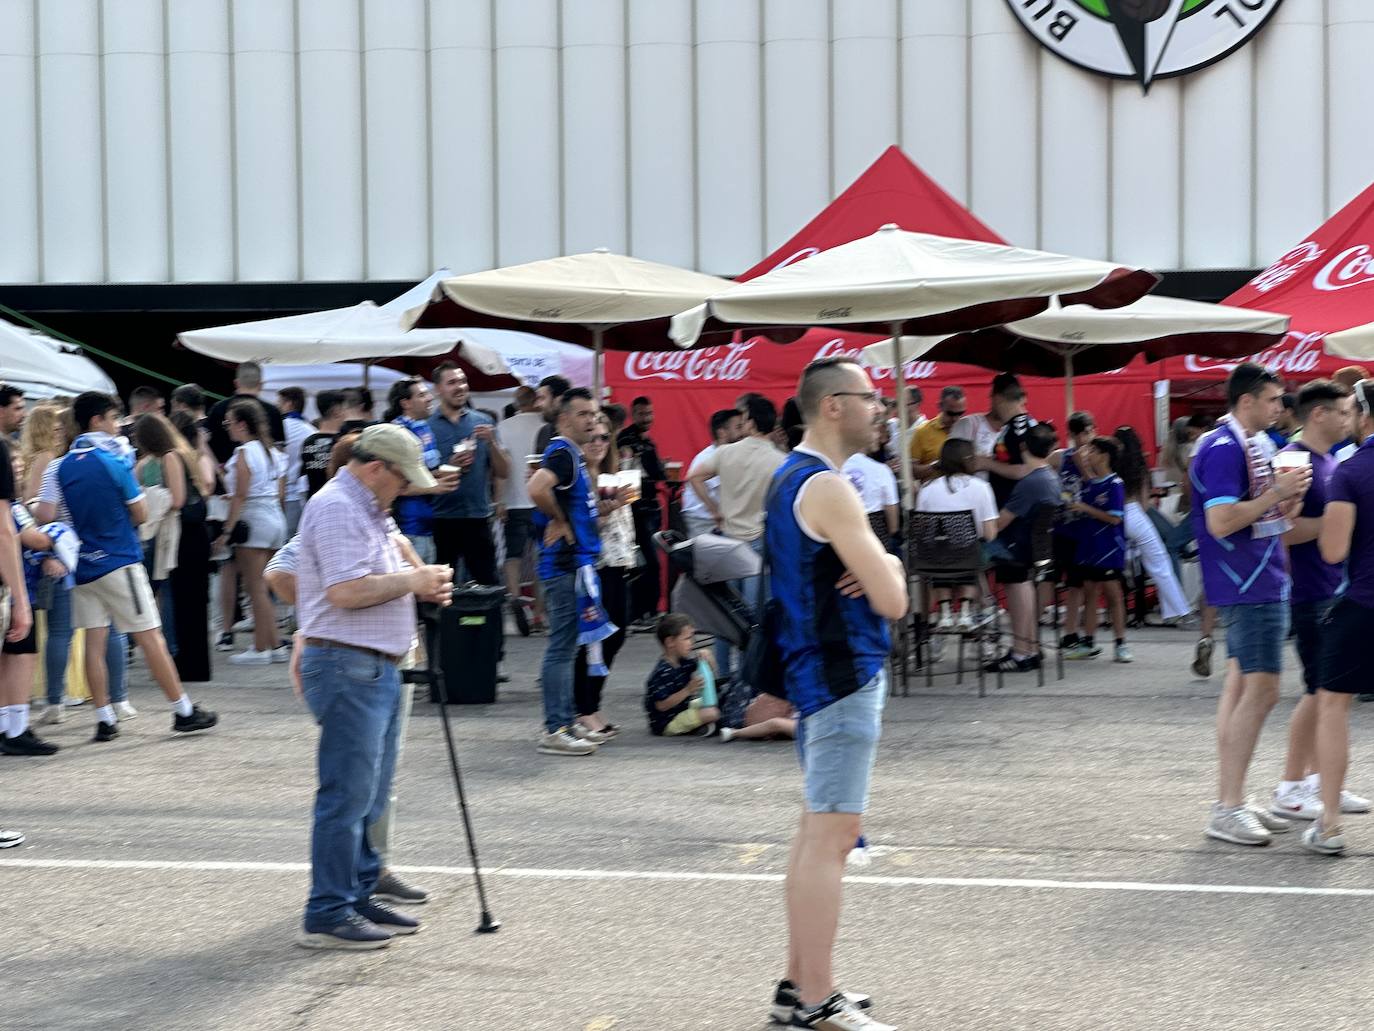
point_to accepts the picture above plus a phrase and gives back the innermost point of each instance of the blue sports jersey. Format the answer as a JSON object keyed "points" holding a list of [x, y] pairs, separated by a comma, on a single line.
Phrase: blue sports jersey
{"points": [[98, 486], [831, 646], [1102, 545], [577, 498]]}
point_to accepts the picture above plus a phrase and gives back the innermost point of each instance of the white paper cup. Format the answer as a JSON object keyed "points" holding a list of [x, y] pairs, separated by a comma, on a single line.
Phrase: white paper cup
{"points": [[1292, 459]]}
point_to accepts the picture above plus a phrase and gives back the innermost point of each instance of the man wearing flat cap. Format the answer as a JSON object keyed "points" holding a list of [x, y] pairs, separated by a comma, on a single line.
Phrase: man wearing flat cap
{"points": [[355, 600]]}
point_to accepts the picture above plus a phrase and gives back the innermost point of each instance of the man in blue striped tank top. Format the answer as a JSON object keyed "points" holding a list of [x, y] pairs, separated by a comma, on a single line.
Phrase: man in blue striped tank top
{"points": [[837, 588]]}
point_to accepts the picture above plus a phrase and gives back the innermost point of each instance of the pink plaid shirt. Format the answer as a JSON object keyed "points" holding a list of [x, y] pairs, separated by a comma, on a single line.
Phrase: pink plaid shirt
{"points": [[345, 535]]}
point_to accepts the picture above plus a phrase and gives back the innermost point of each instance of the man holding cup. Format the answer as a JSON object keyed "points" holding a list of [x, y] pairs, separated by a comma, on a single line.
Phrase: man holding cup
{"points": [[1242, 507], [467, 440]]}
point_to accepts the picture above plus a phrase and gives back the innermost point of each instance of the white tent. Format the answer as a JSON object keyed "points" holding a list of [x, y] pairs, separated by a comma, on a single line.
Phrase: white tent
{"points": [[44, 367], [366, 330]]}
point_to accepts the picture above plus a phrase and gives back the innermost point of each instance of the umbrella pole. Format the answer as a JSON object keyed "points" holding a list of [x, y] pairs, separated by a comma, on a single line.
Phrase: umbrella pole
{"points": [[596, 363], [1068, 386], [908, 494]]}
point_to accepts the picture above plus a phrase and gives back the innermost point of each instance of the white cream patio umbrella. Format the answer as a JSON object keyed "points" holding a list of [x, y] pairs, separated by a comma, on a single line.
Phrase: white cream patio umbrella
{"points": [[361, 332], [1063, 341], [42, 366], [597, 299], [912, 284], [1356, 343]]}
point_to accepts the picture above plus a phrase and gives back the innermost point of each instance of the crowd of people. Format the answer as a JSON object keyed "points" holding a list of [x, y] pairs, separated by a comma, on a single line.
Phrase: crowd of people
{"points": [[124, 516]]}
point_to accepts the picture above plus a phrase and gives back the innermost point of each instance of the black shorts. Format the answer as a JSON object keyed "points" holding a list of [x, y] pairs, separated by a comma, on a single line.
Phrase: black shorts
{"points": [[28, 646], [1079, 575], [1345, 642], [1007, 573], [519, 529]]}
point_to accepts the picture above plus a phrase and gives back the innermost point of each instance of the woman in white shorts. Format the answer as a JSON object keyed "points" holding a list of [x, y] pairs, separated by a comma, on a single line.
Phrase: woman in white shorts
{"points": [[256, 480]]}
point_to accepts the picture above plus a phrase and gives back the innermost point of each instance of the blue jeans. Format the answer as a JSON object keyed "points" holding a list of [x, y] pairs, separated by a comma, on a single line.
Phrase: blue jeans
{"points": [[356, 700], [560, 608], [59, 646], [747, 589]]}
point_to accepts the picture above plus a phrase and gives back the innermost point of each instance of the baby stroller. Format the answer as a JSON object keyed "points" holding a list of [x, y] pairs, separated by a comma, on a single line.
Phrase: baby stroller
{"points": [[705, 592]]}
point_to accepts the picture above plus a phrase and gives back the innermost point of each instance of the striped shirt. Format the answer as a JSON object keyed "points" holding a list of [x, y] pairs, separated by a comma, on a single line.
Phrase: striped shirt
{"points": [[345, 535]]}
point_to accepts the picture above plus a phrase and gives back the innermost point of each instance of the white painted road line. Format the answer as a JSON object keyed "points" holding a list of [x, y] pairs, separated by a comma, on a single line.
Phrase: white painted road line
{"points": [[1013, 883]]}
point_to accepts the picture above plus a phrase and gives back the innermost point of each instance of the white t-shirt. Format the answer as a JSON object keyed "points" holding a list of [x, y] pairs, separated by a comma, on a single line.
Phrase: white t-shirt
{"points": [[264, 467], [516, 436], [959, 494], [296, 432], [875, 482], [691, 504]]}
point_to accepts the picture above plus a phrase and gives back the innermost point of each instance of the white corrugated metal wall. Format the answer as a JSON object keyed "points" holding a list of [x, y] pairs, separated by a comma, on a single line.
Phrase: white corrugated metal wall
{"points": [[263, 140]]}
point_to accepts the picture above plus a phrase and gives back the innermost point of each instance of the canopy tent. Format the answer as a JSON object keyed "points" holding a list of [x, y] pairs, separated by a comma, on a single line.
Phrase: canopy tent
{"points": [[43, 367], [1325, 284], [892, 189], [1067, 339], [915, 283], [598, 299], [364, 331]]}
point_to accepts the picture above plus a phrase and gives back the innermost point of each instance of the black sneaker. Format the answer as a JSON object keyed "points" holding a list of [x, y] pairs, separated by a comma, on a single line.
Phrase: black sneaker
{"points": [[837, 1014], [786, 999], [225, 643], [387, 918], [200, 719], [106, 731], [522, 619], [391, 888], [354, 934], [27, 743]]}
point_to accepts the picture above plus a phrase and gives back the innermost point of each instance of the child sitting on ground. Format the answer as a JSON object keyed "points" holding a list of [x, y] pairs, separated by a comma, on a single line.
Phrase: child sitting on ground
{"points": [[680, 696]]}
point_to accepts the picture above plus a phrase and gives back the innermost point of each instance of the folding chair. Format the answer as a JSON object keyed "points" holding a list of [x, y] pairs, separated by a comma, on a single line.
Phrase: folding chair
{"points": [[946, 550]]}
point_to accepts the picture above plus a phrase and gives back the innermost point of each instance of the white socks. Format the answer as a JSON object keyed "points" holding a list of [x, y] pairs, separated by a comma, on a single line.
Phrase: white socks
{"points": [[5, 721], [182, 706], [19, 719], [105, 714]]}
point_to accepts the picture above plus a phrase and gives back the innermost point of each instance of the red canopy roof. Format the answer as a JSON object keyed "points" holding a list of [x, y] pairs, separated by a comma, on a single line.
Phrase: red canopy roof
{"points": [[892, 189], [1325, 284]]}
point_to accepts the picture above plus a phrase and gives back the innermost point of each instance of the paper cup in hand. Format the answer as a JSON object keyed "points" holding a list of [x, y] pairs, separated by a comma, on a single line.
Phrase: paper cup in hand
{"points": [[630, 478], [1285, 460]]}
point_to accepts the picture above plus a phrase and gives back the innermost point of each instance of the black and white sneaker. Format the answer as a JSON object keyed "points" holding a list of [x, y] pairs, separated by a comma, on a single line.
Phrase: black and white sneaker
{"points": [[387, 918], [11, 839], [391, 888], [786, 999], [837, 1014], [106, 731], [200, 719], [355, 934], [27, 743], [225, 643]]}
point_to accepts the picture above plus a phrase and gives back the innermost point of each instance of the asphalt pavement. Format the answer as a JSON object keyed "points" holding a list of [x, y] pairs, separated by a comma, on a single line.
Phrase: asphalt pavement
{"points": [[1037, 862]]}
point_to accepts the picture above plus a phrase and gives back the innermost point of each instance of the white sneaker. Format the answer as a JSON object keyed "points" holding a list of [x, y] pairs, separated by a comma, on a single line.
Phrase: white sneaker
{"points": [[251, 658], [946, 620], [1353, 803], [965, 621], [726, 733], [243, 626], [562, 742], [53, 714], [282, 654], [71, 702], [1317, 839], [1123, 654], [1273, 824], [1300, 803], [125, 710], [585, 733]]}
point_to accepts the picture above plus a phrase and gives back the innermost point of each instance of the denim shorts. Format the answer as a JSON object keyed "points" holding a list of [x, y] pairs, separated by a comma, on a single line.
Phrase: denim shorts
{"points": [[837, 745], [1255, 635]]}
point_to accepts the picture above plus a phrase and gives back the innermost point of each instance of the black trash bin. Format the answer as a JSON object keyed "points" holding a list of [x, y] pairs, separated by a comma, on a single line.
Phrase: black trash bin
{"points": [[470, 632]]}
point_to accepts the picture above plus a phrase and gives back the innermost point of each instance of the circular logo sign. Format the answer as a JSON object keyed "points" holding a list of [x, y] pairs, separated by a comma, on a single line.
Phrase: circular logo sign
{"points": [[1142, 39]]}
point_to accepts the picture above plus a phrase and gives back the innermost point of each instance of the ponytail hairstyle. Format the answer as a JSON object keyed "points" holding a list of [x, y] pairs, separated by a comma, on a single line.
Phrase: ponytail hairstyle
{"points": [[956, 459], [250, 412]]}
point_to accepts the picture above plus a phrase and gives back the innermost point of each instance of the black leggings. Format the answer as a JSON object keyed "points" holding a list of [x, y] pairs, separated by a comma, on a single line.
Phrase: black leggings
{"points": [[615, 596]]}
